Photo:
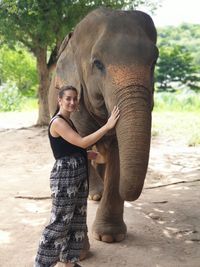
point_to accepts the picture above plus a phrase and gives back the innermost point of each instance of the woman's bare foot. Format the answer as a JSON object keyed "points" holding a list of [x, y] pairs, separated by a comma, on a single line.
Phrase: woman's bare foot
{"points": [[86, 247]]}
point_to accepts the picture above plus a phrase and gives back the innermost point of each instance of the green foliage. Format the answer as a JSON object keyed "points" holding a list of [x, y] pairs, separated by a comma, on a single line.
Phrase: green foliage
{"points": [[18, 66], [185, 35], [179, 61], [41, 24], [175, 68], [44, 23], [10, 98]]}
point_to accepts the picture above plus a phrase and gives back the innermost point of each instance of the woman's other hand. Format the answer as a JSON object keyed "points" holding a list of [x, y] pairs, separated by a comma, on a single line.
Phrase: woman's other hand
{"points": [[92, 155]]}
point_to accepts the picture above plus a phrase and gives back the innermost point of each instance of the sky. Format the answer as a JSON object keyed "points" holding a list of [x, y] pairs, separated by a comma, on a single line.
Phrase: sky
{"points": [[175, 12]]}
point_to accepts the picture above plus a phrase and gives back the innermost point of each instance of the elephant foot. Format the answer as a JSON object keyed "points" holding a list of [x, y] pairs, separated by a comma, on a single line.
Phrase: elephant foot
{"points": [[85, 250], [109, 233], [95, 196], [109, 238], [96, 185]]}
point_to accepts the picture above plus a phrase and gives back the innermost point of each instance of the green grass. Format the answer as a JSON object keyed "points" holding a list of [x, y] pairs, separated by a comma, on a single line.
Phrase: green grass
{"points": [[29, 104], [176, 125], [179, 101], [177, 116]]}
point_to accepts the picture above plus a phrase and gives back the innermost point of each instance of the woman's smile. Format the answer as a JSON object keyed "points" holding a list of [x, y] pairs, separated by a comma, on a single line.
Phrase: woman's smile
{"points": [[70, 101]]}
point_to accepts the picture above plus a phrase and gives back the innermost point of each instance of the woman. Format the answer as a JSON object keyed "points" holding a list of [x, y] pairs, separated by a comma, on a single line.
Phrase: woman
{"points": [[62, 240]]}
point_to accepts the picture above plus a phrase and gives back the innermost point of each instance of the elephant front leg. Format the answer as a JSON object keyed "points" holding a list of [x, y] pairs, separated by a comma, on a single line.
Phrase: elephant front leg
{"points": [[109, 225]]}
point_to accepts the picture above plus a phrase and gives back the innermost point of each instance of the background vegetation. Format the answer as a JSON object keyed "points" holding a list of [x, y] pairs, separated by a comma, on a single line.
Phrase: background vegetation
{"points": [[177, 76], [41, 26], [178, 66]]}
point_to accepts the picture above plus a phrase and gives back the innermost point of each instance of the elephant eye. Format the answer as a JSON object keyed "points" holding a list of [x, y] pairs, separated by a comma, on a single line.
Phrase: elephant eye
{"points": [[98, 64]]}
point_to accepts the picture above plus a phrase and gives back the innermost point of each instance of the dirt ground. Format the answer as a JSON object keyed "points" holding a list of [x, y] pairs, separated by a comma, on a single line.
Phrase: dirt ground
{"points": [[163, 224]]}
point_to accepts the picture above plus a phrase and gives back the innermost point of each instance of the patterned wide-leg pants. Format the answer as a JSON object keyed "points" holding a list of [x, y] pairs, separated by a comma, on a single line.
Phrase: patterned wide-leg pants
{"points": [[62, 239]]}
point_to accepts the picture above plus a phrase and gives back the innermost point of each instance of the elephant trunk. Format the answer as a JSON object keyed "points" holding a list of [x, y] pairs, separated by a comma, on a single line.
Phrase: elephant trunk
{"points": [[133, 134]]}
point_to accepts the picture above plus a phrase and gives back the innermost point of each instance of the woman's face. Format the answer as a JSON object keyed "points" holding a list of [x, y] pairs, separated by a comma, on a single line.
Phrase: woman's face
{"points": [[69, 101]]}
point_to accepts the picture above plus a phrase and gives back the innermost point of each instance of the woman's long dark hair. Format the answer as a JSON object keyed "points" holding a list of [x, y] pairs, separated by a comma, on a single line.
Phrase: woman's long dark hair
{"points": [[61, 94]]}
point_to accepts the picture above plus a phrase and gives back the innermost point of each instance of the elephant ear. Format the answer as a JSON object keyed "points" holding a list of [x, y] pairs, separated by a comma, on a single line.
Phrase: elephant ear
{"points": [[66, 68], [66, 72], [64, 44]]}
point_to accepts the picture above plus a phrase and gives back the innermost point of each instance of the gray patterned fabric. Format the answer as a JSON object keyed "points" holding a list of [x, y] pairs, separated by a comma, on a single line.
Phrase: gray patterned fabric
{"points": [[62, 239]]}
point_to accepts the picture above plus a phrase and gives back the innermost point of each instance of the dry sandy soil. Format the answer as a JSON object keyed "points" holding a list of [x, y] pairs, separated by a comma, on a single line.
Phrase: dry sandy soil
{"points": [[163, 224]]}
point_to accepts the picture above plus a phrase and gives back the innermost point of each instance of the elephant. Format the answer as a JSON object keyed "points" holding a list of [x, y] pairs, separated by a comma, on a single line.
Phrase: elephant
{"points": [[110, 58]]}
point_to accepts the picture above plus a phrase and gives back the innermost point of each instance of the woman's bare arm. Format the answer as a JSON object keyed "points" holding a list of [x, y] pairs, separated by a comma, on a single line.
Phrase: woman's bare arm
{"points": [[61, 128]]}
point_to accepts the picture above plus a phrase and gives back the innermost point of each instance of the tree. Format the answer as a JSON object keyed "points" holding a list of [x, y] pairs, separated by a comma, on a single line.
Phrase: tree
{"points": [[175, 68], [183, 34], [41, 26]]}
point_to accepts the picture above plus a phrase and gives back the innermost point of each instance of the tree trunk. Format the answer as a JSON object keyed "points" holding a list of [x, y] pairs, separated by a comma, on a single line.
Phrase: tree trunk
{"points": [[44, 83]]}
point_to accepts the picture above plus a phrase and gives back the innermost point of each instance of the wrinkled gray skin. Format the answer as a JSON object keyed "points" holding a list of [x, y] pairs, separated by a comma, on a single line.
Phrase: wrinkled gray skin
{"points": [[110, 59]]}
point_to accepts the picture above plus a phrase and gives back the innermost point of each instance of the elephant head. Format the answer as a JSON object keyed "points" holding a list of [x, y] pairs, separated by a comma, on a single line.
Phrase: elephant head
{"points": [[110, 58]]}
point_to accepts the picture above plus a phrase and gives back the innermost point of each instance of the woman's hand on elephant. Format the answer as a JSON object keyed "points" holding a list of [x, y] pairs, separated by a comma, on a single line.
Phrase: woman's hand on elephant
{"points": [[115, 114]]}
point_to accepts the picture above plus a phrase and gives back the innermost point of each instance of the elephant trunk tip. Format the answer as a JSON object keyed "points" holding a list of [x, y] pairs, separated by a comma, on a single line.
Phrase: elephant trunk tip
{"points": [[130, 194]]}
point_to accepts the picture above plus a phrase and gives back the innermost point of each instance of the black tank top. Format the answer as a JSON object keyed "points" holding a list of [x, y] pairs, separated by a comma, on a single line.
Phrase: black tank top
{"points": [[61, 147]]}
